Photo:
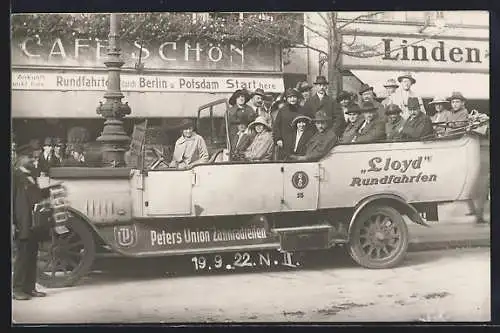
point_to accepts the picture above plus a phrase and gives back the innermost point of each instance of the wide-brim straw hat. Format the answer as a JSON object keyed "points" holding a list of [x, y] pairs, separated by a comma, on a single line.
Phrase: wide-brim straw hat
{"points": [[407, 76], [300, 117], [260, 121], [439, 100]]}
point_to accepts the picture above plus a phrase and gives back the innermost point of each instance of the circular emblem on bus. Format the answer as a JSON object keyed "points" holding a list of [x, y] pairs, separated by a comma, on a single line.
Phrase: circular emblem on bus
{"points": [[300, 180]]}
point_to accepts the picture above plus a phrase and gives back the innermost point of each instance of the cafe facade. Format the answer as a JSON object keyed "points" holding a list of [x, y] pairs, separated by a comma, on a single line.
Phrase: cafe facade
{"points": [[58, 82]]}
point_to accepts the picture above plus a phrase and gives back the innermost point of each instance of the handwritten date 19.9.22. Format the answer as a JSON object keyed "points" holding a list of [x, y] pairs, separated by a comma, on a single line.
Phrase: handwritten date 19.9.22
{"points": [[243, 259]]}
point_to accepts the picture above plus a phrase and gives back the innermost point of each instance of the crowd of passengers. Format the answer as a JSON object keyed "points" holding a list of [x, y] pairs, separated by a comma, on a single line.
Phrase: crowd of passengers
{"points": [[303, 126]]}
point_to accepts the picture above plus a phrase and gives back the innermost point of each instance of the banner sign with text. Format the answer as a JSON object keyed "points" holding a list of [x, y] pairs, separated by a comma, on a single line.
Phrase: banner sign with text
{"points": [[404, 53], [164, 54], [85, 81]]}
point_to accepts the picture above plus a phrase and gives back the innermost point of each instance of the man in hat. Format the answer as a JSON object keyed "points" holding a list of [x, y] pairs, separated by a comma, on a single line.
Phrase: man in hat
{"points": [[322, 142], [320, 100], [305, 89], [47, 157], [459, 114], [262, 146], [373, 128], [442, 115], [401, 95], [303, 133], [390, 88], [256, 102], [367, 95], [241, 141], [58, 149], [76, 156], [26, 193], [418, 125], [282, 131], [190, 148], [239, 110], [395, 122], [344, 100], [354, 121]]}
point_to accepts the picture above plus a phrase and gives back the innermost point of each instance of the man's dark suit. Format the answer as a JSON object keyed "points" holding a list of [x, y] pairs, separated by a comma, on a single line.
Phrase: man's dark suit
{"points": [[327, 104]]}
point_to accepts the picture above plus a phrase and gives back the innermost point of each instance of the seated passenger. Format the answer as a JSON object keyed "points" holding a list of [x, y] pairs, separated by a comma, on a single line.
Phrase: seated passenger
{"points": [[190, 148], [354, 121], [303, 133], [372, 129], [442, 115], [76, 156], [418, 125], [322, 142], [262, 146], [241, 140], [395, 122]]}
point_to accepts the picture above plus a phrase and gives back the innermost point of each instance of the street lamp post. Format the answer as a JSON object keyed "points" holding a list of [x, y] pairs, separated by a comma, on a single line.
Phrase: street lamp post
{"points": [[114, 139]]}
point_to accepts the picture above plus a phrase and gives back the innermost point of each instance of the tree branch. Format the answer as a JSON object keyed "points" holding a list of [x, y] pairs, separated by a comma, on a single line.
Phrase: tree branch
{"points": [[357, 18], [312, 30], [324, 19]]}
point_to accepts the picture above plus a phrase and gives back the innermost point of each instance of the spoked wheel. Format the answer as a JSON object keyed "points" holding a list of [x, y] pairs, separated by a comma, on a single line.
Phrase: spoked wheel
{"points": [[64, 259], [379, 238]]}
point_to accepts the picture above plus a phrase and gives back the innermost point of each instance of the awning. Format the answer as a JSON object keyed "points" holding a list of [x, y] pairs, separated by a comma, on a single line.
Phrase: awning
{"points": [[430, 84], [83, 104]]}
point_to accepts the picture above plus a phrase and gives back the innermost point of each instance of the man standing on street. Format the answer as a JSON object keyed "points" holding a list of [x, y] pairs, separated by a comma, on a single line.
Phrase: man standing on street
{"points": [[26, 193], [320, 100]]}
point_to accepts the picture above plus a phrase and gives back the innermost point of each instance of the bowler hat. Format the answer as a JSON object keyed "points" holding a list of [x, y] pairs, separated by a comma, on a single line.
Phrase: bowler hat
{"points": [[47, 141], [320, 79], [456, 95], [344, 95], [292, 92], [365, 87], [321, 116], [413, 103], [238, 93], [392, 109], [353, 108], [407, 76], [368, 107], [258, 91], [439, 100], [303, 86], [300, 117], [262, 121], [391, 83]]}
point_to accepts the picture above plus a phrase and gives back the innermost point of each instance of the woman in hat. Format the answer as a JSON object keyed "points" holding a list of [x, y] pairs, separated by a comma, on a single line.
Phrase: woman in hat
{"points": [[303, 133], [354, 121], [239, 110], [395, 122], [442, 115], [390, 87], [282, 131], [372, 128], [190, 148], [262, 146]]}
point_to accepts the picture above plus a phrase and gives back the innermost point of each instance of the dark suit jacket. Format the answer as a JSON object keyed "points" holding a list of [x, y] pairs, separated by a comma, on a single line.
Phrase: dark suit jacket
{"points": [[373, 132], [26, 195], [351, 131], [238, 148], [417, 127], [314, 104], [320, 144], [301, 147]]}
